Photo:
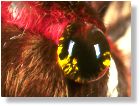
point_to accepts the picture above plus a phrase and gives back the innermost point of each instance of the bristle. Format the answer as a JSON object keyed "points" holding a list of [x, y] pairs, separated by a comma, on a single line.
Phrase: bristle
{"points": [[29, 66], [28, 15], [50, 22]]}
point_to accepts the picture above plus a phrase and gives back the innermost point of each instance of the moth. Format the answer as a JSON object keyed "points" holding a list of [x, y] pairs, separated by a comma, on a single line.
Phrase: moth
{"points": [[57, 49]]}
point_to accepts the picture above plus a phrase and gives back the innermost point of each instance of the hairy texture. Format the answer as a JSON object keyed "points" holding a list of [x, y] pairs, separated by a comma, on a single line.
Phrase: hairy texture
{"points": [[30, 68], [29, 64], [51, 20]]}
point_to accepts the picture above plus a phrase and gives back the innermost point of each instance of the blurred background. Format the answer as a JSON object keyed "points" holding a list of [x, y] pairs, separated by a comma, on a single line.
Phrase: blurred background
{"points": [[117, 19]]}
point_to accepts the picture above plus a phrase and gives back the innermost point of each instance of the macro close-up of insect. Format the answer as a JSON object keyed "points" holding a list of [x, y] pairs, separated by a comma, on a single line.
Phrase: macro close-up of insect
{"points": [[65, 49]]}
